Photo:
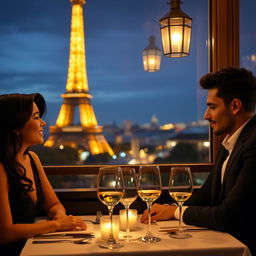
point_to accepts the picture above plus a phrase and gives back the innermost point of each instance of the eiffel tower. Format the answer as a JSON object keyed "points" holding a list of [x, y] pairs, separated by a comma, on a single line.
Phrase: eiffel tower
{"points": [[88, 134]]}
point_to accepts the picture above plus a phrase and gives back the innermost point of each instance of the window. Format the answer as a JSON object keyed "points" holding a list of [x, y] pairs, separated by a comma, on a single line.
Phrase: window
{"points": [[148, 117], [222, 46], [247, 36]]}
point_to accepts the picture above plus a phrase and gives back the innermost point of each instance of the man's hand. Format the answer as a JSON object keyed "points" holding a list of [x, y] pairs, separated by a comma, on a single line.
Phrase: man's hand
{"points": [[159, 212]]}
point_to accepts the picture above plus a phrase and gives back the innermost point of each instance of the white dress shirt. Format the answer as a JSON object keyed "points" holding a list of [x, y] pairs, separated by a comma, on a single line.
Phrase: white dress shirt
{"points": [[229, 143]]}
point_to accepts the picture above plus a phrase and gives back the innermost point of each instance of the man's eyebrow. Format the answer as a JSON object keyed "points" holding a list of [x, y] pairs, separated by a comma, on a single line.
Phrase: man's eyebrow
{"points": [[210, 104]]}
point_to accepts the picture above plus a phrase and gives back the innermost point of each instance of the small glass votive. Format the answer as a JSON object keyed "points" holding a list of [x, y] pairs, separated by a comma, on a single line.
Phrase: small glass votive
{"points": [[132, 215], [105, 227]]}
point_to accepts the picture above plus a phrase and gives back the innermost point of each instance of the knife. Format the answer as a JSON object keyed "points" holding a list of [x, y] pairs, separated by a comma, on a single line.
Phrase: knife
{"points": [[65, 236], [49, 242], [176, 229]]}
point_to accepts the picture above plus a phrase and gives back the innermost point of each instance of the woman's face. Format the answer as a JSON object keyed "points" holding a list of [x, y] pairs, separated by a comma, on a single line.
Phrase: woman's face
{"points": [[32, 132]]}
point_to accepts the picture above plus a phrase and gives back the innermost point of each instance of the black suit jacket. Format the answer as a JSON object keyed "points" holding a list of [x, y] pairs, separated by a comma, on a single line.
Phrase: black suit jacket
{"points": [[230, 207]]}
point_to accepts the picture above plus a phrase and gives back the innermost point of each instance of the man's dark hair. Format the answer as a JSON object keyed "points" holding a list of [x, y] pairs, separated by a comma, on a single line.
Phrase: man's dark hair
{"points": [[232, 82]]}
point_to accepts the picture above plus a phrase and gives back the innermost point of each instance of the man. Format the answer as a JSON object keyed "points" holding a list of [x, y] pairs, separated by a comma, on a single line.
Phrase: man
{"points": [[226, 200]]}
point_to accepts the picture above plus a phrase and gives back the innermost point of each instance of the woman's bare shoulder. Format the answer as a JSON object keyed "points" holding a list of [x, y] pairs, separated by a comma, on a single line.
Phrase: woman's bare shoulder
{"points": [[2, 168], [36, 160], [34, 156], [3, 174]]}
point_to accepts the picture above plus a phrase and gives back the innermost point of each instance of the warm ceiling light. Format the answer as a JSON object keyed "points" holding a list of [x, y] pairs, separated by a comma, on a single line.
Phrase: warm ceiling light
{"points": [[151, 56], [176, 31]]}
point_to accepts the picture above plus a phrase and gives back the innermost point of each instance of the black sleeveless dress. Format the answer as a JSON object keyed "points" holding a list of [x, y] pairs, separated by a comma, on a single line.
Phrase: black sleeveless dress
{"points": [[23, 209]]}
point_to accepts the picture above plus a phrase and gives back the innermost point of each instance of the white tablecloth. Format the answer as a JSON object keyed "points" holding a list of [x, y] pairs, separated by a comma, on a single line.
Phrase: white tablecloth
{"points": [[203, 242]]}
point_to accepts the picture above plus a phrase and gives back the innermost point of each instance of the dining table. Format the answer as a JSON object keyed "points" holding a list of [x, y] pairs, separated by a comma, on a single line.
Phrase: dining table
{"points": [[203, 242]]}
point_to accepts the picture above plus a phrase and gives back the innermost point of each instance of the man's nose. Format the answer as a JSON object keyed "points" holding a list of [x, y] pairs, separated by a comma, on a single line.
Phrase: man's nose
{"points": [[206, 115]]}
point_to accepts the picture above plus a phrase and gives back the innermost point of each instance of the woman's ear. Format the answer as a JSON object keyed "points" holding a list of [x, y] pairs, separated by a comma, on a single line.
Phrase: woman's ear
{"points": [[16, 132], [235, 105]]}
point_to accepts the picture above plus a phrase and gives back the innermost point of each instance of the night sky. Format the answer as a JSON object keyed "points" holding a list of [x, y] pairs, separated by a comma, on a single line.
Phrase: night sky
{"points": [[34, 51]]}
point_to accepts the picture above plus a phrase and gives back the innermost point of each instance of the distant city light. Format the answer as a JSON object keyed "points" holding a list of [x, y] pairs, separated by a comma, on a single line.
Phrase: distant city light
{"points": [[171, 144], [251, 58], [133, 161], [122, 154], [168, 126], [61, 147], [114, 156], [206, 144], [84, 155]]}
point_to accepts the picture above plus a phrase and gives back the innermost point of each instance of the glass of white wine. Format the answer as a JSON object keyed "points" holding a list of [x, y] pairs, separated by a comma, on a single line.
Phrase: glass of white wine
{"points": [[149, 189], [130, 194], [180, 189], [110, 191]]}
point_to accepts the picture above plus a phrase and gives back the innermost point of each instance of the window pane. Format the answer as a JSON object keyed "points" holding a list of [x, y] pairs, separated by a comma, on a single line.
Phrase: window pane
{"points": [[135, 116], [248, 35]]}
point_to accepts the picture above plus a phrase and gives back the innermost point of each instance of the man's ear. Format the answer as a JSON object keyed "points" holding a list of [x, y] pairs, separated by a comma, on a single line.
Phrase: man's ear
{"points": [[235, 105]]}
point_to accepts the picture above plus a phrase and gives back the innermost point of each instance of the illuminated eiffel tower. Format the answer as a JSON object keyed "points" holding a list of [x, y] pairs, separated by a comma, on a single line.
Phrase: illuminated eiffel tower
{"points": [[88, 133]]}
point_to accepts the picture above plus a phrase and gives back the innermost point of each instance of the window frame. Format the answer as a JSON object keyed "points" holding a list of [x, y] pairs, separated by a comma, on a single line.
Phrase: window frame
{"points": [[223, 42]]}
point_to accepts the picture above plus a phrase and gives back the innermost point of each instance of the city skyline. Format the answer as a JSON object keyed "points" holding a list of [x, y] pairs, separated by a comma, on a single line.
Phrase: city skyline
{"points": [[34, 54]]}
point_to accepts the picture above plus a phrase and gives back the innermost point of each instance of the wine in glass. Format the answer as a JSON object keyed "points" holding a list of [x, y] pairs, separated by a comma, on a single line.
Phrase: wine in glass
{"points": [[110, 191], [130, 194], [149, 189], [180, 189]]}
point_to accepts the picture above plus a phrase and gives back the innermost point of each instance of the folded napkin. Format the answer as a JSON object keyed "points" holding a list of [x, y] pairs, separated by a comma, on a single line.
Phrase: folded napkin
{"points": [[68, 234]]}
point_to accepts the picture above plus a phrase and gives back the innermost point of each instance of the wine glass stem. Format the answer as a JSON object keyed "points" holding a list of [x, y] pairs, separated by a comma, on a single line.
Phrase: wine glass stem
{"points": [[111, 238], [127, 219], [180, 217], [149, 204]]}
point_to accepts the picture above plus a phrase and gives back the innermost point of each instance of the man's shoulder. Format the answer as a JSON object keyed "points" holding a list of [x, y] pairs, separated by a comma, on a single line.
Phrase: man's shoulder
{"points": [[249, 131]]}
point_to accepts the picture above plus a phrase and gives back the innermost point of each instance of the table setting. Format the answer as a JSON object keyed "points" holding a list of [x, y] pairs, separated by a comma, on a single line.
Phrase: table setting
{"points": [[124, 234]]}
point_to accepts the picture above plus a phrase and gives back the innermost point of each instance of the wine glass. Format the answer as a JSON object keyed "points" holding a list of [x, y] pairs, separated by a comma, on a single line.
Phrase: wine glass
{"points": [[130, 194], [110, 191], [180, 189], [149, 189]]}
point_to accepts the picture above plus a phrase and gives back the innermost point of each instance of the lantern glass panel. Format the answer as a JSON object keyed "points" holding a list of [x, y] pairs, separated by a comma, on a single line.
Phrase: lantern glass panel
{"points": [[165, 40], [176, 36], [164, 22], [187, 34], [188, 22], [176, 21], [151, 60]]}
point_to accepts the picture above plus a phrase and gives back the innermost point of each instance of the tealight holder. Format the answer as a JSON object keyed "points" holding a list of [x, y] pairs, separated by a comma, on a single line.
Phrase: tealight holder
{"points": [[105, 228], [132, 215]]}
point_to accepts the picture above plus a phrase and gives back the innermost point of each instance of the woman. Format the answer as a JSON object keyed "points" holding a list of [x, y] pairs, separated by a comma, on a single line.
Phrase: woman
{"points": [[25, 191]]}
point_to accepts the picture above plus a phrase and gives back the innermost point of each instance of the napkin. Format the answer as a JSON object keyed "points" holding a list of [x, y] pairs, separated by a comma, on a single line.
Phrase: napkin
{"points": [[75, 234]]}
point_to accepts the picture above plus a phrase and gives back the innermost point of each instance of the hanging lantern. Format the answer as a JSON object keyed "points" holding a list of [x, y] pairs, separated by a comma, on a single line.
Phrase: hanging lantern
{"points": [[175, 29], [151, 56]]}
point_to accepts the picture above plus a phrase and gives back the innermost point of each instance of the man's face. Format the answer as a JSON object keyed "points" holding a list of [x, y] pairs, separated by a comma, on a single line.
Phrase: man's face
{"points": [[219, 116]]}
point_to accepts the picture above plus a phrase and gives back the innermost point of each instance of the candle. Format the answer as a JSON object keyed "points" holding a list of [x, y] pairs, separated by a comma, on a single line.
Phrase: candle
{"points": [[132, 215], [105, 228]]}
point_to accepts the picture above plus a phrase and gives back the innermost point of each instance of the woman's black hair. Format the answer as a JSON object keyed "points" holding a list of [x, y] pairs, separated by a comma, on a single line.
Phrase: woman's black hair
{"points": [[15, 111]]}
